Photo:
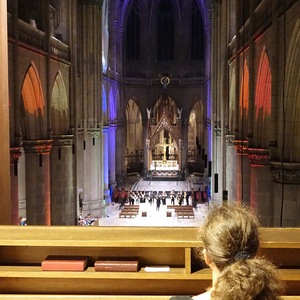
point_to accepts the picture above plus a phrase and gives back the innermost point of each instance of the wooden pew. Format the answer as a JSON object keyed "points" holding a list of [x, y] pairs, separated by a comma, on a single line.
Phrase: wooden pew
{"points": [[129, 211], [183, 211], [22, 248]]}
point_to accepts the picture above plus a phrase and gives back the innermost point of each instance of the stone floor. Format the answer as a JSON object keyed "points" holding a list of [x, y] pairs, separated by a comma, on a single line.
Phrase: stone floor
{"points": [[154, 217]]}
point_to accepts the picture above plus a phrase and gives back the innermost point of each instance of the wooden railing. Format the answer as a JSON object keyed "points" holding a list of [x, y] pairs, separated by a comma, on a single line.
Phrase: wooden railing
{"points": [[22, 249]]}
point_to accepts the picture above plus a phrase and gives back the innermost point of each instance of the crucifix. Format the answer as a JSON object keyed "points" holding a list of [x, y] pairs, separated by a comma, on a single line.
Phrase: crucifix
{"points": [[164, 145]]}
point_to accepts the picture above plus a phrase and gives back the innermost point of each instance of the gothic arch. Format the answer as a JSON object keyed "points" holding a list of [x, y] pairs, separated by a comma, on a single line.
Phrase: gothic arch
{"points": [[196, 126], [122, 8], [292, 95], [134, 141], [263, 101], [165, 114], [59, 106], [33, 107]]}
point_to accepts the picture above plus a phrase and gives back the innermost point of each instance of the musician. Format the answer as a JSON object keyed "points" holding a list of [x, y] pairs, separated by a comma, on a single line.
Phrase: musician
{"points": [[164, 198], [172, 198]]}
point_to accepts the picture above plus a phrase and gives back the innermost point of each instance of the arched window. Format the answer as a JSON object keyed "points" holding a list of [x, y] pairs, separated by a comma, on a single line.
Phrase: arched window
{"points": [[197, 33], [133, 33], [165, 31]]}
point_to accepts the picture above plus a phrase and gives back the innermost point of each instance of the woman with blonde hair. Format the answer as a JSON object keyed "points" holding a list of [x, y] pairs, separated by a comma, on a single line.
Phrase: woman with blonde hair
{"points": [[230, 244]]}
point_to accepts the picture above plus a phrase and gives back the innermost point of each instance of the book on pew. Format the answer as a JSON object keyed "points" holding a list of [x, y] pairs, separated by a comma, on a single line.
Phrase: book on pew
{"points": [[64, 263], [116, 264]]}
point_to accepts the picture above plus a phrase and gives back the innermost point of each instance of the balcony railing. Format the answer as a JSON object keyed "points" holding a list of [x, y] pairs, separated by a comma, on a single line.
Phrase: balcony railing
{"points": [[31, 36]]}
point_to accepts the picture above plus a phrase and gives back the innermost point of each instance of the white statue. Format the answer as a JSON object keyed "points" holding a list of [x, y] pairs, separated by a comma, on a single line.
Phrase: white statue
{"points": [[149, 113], [179, 111]]}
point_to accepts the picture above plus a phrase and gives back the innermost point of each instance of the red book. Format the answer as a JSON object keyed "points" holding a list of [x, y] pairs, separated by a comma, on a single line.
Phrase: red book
{"points": [[64, 263], [116, 264]]}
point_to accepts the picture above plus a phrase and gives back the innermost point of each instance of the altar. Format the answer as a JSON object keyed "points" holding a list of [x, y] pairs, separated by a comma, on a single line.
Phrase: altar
{"points": [[164, 165], [164, 145]]}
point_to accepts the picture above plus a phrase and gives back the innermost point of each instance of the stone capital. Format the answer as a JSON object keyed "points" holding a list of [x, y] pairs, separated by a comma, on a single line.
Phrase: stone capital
{"points": [[241, 146], [286, 173], [15, 154], [94, 133], [37, 146], [105, 129], [259, 156], [112, 127], [62, 140], [230, 139]]}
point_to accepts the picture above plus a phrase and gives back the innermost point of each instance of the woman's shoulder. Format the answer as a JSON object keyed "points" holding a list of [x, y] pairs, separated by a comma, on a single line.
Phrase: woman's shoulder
{"points": [[204, 296]]}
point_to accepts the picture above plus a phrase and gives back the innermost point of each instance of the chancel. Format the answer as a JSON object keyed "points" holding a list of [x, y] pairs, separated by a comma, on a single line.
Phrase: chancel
{"points": [[164, 144]]}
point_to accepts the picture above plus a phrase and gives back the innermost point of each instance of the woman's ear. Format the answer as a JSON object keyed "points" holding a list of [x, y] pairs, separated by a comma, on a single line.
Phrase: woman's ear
{"points": [[207, 258]]}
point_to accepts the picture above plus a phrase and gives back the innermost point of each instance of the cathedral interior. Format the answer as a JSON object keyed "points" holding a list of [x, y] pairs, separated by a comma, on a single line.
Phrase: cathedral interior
{"points": [[100, 93]]}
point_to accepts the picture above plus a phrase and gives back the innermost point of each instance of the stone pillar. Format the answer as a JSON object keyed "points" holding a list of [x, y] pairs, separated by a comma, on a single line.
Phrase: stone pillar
{"points": [[63, 202], [180, 151], [146, 143], [147, 155], [37, 166], [243, 172], [91, 45], [231, 160], [184, 157], [93, 189], [252, 72], [120, 140], [106, 165], [286, 177], [112, 154], [262, 196], [15, 154], [275, 103], [5, 211]]}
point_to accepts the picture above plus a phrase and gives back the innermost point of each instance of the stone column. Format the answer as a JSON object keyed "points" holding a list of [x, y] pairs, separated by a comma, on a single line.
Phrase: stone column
{"points": [[63, 202], [120, 140], [252, 72], [286, 177], [5, 211], [15, 154], [37, 166], [243, 172], [231, 172], [262, 196], [112, 154], [180, 151], [184, 157], [148, 156], [146, 142], [275, 103], [91, 44], [93, 184], [106, 165]]}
